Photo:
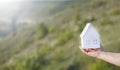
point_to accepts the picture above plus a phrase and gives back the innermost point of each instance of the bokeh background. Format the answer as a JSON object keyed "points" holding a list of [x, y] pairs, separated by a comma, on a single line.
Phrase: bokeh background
{"points": [[44, 34]]}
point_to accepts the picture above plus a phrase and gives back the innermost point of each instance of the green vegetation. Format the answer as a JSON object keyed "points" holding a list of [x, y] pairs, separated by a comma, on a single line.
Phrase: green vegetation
{"points": [[107, 21], [41, 30], [115, 12], [102, 65], [64, 37], [53, 44]]}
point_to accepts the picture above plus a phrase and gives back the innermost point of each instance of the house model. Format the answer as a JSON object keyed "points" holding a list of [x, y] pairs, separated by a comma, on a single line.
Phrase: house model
{"points": [[90, 37]]}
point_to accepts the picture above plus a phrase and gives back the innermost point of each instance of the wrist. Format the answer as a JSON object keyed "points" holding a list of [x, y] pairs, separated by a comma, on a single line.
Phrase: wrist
{"points": [[100, 54]]}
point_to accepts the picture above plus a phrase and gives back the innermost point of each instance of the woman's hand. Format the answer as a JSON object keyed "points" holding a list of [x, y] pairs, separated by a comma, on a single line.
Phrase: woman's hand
{"points": [[92, 52], [110, 57]]}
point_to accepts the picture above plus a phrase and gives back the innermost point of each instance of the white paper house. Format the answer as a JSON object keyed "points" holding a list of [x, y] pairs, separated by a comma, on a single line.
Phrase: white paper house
{"points": [[90, 37]]}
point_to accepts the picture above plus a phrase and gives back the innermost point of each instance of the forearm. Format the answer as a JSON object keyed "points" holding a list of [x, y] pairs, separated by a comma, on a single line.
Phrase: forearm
{"points": [[113, 58]]}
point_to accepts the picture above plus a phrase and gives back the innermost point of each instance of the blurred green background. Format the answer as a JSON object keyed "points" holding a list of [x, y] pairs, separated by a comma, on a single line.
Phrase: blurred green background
{"points": [[51, 40]]}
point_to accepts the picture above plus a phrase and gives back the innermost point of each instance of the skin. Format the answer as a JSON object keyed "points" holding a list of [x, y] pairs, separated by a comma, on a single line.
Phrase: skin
{"points": [[99, 53]]}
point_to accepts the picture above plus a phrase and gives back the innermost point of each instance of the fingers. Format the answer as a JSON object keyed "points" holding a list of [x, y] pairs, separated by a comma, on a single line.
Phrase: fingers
{"points": [[89, 49], [83, 50], [97, 49]]}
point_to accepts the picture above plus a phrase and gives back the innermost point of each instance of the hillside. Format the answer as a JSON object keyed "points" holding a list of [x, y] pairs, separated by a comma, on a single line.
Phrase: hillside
{"points": [[53, 44], [26, 13]]}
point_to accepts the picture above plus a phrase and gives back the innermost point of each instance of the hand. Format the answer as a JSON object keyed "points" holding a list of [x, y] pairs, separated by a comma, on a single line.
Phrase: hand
{"points": [[92, 52]]}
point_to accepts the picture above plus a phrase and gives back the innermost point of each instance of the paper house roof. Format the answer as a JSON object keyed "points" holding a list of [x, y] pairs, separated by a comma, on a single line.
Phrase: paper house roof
{"points": [[88, 27], [90, 37]]}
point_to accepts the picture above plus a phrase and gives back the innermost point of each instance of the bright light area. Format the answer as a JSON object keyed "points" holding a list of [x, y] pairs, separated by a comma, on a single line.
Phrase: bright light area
{"points": [[3, 1], [6, 2], [9, 7]]}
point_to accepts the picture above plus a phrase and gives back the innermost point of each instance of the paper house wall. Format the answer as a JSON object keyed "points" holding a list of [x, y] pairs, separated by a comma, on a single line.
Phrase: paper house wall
{"points": [[90, 37]]}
